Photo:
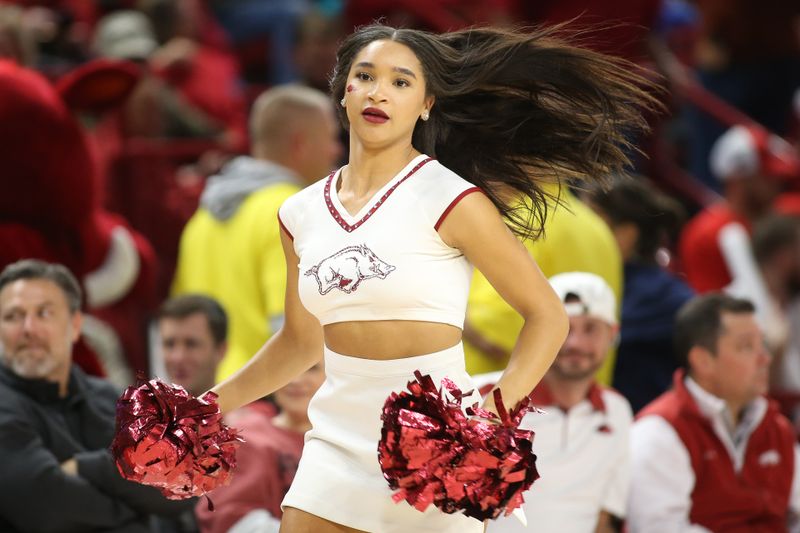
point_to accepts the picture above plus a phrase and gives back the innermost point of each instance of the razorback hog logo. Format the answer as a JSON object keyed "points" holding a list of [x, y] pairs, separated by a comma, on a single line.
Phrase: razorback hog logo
{"points": [[346, 269]]}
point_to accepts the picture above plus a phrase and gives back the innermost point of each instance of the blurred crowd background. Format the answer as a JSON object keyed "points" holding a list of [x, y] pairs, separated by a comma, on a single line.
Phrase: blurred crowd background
{"points": [[163, 90]]}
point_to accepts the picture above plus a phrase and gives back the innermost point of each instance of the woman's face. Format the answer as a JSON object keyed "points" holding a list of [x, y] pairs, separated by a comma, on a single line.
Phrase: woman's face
{"points": [[385, 94]]}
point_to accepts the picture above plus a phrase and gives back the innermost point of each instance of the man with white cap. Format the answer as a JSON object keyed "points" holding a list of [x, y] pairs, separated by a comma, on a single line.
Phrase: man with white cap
{"points": [[715, 245], [582, 438], [752, 166]]}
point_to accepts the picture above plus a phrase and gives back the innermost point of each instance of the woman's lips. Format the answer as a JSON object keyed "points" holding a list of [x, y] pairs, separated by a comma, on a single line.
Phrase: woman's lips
{"points": [[374, 115]]}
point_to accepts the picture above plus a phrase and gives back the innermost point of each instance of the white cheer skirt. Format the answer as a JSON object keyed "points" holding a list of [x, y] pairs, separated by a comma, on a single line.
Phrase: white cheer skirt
{"points": [[339, 477]]}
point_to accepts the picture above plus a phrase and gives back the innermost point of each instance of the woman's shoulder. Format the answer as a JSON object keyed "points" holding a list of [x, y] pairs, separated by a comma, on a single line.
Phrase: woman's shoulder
{"points": [[443, 173], [437, 178], [304, 195], [292, 211], [315, 187], [438, 189]]}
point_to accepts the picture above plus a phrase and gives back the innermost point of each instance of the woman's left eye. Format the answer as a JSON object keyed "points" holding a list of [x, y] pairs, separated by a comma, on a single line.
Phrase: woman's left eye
{"points": [[401, 83]]}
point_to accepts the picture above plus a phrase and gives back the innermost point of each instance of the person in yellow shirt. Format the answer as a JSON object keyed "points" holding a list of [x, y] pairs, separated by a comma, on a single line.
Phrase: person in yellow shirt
{"points": [[575, 240], [230, 249]]}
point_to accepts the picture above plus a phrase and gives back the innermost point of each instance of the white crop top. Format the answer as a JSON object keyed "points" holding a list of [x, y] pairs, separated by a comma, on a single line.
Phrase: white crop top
{"points": [[387, 262]]}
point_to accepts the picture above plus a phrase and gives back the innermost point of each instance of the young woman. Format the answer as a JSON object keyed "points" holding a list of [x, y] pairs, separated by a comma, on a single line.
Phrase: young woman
{"points": [[379, 253]]}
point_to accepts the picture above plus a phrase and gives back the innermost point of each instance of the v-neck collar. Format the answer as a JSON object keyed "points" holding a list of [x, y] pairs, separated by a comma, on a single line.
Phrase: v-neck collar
{"points": [[350, 222]]}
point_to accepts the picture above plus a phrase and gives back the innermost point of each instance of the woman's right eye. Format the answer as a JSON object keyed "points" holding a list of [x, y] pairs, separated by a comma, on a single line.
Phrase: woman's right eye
{"points": [[363, 76]]}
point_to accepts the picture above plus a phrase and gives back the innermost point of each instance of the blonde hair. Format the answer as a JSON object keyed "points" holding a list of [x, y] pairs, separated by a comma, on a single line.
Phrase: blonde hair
{"points": [[278, 110]]}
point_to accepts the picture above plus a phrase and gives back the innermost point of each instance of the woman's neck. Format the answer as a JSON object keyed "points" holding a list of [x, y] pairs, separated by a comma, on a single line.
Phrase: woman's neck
{"points": [[370, 169]]}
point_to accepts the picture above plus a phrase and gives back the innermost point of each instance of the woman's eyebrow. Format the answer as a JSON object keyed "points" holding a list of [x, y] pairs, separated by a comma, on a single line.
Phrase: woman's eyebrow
{"points": [[405, 71], [402, 70]]}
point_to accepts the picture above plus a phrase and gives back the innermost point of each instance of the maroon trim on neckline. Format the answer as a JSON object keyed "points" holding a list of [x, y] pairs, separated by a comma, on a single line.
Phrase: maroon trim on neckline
{"points": [[284, 228], [453, 204], [338, 217]]}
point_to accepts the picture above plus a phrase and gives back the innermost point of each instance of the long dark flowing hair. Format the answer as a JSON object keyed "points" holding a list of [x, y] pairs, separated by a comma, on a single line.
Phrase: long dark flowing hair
{"points": [[516, 109]]}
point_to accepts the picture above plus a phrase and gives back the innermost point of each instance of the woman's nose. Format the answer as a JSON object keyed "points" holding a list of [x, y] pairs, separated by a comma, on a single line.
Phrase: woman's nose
{"points": [[375, 92]]}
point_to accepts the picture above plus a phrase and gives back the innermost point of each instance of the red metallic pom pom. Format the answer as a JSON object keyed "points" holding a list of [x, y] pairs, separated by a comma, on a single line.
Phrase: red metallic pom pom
{"points": [[433, 453], [173, 441]]}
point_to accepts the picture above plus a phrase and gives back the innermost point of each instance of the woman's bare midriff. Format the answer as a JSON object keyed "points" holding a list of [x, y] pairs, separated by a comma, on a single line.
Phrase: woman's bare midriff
{"points": [[390, 339]]}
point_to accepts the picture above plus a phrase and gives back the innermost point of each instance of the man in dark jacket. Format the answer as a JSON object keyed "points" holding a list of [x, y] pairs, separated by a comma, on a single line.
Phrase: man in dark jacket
{"points": [[56, 423]]}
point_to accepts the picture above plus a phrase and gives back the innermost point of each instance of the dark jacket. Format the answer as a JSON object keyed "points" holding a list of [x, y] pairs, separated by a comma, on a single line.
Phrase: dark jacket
{"points": [[645, 359], [38, 432]]}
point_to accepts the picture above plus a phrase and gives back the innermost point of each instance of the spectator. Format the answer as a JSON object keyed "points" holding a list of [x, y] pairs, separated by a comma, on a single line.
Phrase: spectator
{"points": [[173, 98], [230, 248], [644, 222], [207, 77], [575, 239], [776, 249], [193, 332], [750, 168], [582, 439], [713, 454], [56, 423]]}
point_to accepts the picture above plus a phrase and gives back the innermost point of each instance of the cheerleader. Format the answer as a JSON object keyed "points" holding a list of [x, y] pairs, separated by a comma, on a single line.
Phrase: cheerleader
{"points": [[451, 138]]}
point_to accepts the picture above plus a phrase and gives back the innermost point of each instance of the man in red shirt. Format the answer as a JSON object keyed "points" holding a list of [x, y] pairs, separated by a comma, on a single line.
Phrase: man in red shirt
{"points": [[713, 454], [751, 165]]}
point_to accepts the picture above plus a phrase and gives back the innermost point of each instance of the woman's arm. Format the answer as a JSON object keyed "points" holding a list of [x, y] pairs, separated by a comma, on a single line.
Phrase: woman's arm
{"points": [[475, 227], [296, 347]]}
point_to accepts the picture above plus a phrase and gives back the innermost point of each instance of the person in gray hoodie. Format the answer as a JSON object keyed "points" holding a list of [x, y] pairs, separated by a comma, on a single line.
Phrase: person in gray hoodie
{"points": [[230, 249]]}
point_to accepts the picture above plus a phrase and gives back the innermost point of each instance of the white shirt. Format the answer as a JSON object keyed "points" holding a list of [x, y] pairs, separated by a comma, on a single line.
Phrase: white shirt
{"points": [[583, 459], [662, 475], [388, 261]]}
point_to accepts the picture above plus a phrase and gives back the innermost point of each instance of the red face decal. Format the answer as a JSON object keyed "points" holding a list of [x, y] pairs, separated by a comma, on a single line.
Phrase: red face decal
{"points": [[350, 88]]}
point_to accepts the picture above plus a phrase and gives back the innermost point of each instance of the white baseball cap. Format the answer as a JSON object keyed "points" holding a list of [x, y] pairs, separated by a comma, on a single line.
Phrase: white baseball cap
{"points": [[594, 297], [125, 34]]}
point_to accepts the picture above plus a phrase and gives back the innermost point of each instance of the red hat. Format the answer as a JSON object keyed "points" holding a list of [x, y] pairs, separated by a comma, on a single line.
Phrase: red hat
{"points": [[744, 151], [99, 85], [47, 169]]}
